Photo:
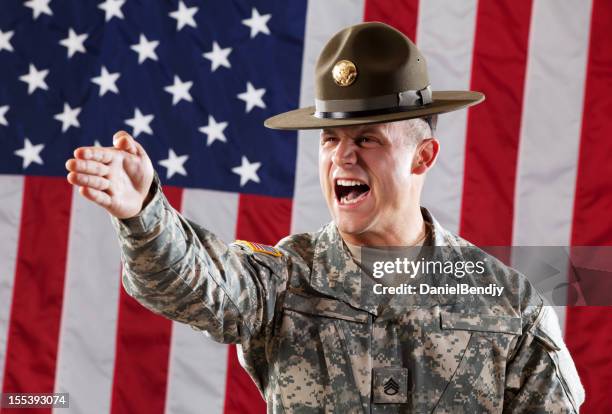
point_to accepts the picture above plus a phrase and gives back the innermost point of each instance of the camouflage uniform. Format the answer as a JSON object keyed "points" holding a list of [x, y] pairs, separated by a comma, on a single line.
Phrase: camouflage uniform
{"points": [[313, 341]]}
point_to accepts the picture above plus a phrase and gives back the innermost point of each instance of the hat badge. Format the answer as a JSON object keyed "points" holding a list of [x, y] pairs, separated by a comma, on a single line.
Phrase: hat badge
{"points": [[344, 72]]}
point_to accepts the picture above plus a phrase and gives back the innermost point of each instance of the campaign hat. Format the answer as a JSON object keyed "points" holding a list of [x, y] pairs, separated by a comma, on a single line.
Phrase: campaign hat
{"points": [[371, 73]]}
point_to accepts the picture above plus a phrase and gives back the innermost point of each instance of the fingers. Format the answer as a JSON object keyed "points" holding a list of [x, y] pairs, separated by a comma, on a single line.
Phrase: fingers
{"points": [[121, 140], [92, 181], [87, 167], [100, 154], [97, 196]]}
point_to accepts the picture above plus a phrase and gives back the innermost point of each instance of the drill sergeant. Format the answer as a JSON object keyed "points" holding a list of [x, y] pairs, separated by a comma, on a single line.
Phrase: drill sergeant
{"points": [[302, 313]]}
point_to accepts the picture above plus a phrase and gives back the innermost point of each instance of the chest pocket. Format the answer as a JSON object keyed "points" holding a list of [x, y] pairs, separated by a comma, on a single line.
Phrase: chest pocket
{"points": [[480, 368], [323, 355]]}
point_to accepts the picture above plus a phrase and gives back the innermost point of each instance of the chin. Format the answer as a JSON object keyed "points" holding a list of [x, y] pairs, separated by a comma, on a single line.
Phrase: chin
{"points": [[350, 226]]}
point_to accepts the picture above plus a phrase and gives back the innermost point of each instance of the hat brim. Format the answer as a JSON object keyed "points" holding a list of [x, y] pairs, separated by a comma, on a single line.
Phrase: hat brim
{"points": [[443, 101]]}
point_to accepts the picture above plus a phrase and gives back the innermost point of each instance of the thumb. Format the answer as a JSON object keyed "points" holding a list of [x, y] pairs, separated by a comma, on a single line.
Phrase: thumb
{"points": [[139, 150], [123, 141]]}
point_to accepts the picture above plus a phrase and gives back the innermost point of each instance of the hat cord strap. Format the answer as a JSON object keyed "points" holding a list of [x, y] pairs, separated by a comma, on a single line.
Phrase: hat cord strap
{"points": [[348, 108]]}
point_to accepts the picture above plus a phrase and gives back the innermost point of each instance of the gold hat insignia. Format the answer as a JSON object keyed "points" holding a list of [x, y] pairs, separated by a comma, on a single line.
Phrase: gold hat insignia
{"points": [[344, 72]]}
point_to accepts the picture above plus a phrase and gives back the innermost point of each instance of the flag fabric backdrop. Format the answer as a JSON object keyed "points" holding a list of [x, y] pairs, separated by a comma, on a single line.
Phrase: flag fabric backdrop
{"points": [[193, 81]]}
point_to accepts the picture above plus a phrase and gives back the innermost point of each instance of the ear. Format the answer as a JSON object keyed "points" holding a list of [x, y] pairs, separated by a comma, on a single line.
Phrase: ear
{"points": [[425, 155]]}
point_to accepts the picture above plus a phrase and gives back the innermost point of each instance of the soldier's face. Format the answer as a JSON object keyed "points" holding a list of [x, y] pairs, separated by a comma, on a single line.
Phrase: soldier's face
{"points": [[366, 175]]}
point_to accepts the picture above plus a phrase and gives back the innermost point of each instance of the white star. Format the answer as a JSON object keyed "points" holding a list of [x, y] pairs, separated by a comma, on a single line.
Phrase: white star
{"points": [[5, 40], [252, 97], [97, 143], [106, 81], [112, 8], [174, 164], [247, 171], [39, 7], [74, 42], [30, 153], [179, 90], [214, 131], [184, 16], [35, 79], [258, 23], [3, 110], [140, 123], [145, 49], [218, 56], [68, 118]]}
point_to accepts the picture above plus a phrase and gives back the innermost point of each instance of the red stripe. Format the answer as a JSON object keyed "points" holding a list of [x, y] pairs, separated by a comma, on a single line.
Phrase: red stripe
{"points": [[589, 329], [142, 351], [401, 14], [39, 286], [498, 70], [265, 220]]}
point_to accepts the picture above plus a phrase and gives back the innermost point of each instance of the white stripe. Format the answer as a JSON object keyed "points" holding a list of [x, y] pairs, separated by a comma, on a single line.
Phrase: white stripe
{"points": [[445, 36], [323, 19], [86, 351], [198, 366], [216, 211], [11, 196], [552, 117], [198, 370]]}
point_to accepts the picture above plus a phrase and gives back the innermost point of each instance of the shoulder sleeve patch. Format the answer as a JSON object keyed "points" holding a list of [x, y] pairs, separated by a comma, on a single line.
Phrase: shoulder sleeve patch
{"points": [[259, 248]]}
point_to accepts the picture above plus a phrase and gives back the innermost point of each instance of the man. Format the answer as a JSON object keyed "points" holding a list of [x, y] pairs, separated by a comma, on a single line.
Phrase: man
{"points": [[313, 335]]}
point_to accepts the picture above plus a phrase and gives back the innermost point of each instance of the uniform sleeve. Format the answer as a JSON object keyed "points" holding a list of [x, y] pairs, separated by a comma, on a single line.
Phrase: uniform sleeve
{"points": [[184, 272], [542, 377]]}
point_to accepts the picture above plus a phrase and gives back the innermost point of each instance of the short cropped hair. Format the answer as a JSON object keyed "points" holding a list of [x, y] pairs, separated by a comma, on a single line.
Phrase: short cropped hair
{"points": [[421, 128]]}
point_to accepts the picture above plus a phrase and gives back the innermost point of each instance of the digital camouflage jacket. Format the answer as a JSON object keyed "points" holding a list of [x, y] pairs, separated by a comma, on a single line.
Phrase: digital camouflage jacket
{"points": [[314, 341]]}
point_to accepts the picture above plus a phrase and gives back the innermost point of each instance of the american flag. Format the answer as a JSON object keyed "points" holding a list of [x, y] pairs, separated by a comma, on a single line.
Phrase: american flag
{"points": [[193, 81]]}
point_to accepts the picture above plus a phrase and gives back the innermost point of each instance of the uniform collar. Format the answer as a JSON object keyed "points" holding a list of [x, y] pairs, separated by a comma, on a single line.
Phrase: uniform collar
{"points": [[335, 273], [439, 235]]}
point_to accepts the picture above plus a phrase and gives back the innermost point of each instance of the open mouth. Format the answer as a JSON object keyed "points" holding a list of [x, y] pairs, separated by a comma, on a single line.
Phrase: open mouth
{"points": [[350, 191]]}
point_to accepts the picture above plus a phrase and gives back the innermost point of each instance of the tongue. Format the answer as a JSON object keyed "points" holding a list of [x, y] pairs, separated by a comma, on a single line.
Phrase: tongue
{"points": [[353, 194]]}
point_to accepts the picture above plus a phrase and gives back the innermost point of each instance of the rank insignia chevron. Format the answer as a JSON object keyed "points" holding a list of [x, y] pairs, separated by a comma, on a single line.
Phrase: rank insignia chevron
{"points": [[391, 387]]}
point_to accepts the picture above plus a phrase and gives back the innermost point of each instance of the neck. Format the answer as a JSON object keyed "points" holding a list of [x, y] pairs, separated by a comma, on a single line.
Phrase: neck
{"points": [[408, 231]]}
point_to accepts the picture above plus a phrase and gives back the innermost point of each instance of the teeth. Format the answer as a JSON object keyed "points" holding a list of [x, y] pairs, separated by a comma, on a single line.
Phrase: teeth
{"points": [[349, 183], [344, 200]]}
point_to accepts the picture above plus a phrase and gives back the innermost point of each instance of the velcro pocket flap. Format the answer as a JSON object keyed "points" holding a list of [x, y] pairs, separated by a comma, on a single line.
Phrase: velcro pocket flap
{"points": [[320, 306], [481, 323]]}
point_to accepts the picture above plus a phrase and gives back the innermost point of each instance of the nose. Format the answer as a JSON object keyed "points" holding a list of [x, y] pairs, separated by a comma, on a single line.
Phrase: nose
{"points": [[344, 153]]}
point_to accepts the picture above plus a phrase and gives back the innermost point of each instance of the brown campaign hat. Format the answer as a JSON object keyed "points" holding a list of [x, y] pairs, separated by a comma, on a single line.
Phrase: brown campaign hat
{"points": [[371, 73]]}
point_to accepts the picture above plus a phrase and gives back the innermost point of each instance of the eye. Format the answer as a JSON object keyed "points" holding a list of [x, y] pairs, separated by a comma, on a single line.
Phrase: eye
{"points": [[365, 141], [328, 139]]}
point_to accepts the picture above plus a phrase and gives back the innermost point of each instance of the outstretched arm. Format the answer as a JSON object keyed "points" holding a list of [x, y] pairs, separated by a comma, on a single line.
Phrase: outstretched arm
{"points": [[171, 265]]}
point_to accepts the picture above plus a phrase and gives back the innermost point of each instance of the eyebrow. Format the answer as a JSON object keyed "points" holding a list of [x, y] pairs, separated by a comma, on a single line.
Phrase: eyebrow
{"points": [[361, 129]]}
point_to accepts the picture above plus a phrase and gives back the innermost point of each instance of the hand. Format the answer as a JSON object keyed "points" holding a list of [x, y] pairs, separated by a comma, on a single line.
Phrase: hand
{"points": [[117, 178]]}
